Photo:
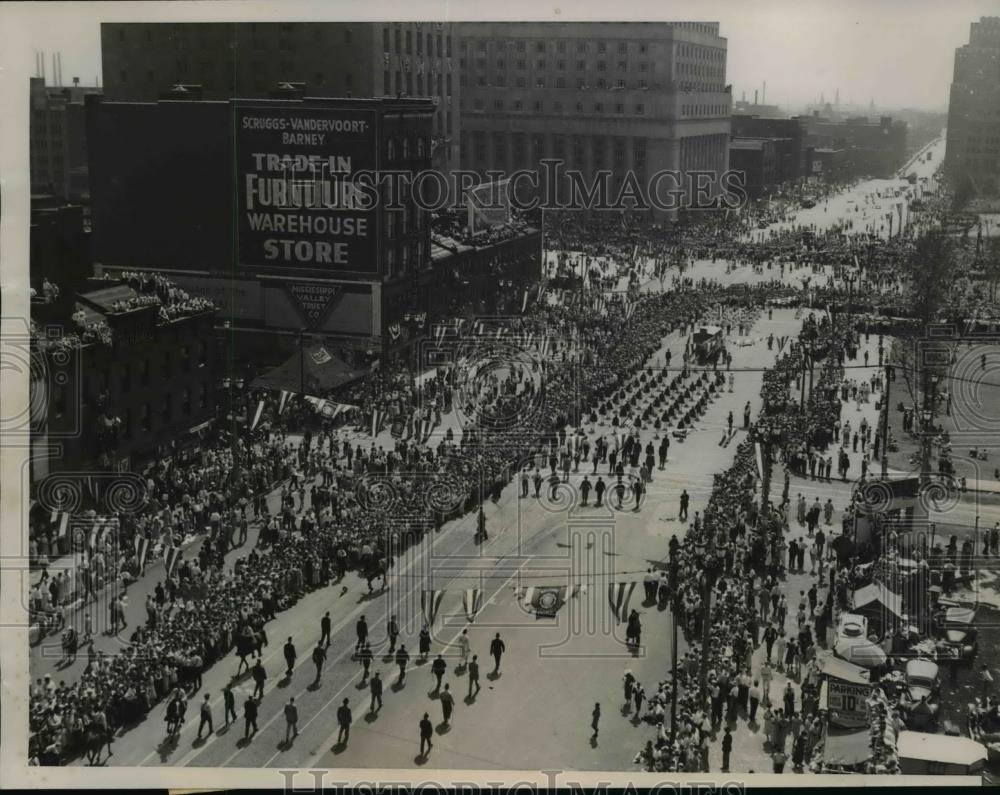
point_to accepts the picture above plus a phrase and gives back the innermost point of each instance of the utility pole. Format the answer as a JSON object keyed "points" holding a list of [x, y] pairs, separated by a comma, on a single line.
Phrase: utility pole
{"points": [[885, 423], [673, 649]]}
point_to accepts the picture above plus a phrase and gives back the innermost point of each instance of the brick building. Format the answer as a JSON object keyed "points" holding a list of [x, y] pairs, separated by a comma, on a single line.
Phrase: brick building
{"points": [[789, 136], [141, 61], [618, 96], [757, 159], [58, 139]]}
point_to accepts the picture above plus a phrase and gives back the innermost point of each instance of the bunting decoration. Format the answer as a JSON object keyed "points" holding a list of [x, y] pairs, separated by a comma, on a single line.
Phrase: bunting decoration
{"points": [[141, 552], [430, 601], [283, 402], [472, 602], [257, 416], [377, 418], [619, 595], [545, 600], [171, 558], [524, 302]]}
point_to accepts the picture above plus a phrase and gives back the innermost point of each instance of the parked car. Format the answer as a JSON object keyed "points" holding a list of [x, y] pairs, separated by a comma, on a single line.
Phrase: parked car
{"points": [[851, 642]]}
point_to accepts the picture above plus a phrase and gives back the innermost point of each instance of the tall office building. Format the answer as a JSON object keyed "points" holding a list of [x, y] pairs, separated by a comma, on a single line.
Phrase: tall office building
{"points": [[142, 61], [618, 96], [58, 140], [973, 146]]}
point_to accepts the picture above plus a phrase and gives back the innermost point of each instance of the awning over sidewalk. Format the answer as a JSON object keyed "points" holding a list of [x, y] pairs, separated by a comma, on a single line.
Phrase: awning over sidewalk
{"points": [[876, 598], [847, 748], [836, 668], [323, 372]]}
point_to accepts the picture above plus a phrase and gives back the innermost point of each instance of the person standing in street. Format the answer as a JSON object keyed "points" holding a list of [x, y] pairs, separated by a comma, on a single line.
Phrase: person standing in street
{"points": [[447, 705], [344, 720], [319, 657], [393, 632], [754, 700], [402, 658], [375, 686], [361, 630], [206, 716], [259, 678], [290, 656], [365, 657], [464, 647], [438, 668], [250, 716], [727, 749], [683, 513], [229, 703], [497, 648], [595, 719], [426, 735], [474, 675], [324, 630], [291, 720]]}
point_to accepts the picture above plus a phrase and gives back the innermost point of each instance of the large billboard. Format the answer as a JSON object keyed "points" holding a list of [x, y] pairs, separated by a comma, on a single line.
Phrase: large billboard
{"points": [[301, 207]]}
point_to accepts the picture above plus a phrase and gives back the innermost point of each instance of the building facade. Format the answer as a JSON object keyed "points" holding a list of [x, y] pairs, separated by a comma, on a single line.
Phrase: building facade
{"points": [[129, 374], [757, 159], [973, 145], [58, 139], [789, 136], [141, 61], [253, 203], [871, 148], [621, 96]]}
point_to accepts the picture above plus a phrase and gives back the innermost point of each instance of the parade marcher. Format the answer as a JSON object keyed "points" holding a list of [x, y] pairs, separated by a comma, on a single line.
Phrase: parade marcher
{"points": [[291, 720]]}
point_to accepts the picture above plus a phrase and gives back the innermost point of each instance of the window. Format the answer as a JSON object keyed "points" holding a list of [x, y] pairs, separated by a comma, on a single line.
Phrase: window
{"points": [[560, 82], [121, 34], [598, 107], [561, 65], [480, 63], [477, 104], [619, 108], [500, 81], [347, 35], [644, 66], [144, 423], [643, 49], [520, 63], [581, 46], [619, 84], [498, 104], [165, 366], [420, 43], [386, 84], [541, 63], [409, 43], [439, 50], [520, 46], [538, 107], [390, 150], [501, 64], [602, 46], [602, 83], [186, 401], [622, 48], [622, 66], [518, 105], [186, 358], [481, 45], [540, 46], [399, 41], [581, 66], [481, 81], [579, 107], [521, 82], [449, 45], [639, 152], [640, 109], [540, 82], [123, 75], [602, 66], [385, 39], [449, 84], [581, 84], [557, 106], [561, 46]]}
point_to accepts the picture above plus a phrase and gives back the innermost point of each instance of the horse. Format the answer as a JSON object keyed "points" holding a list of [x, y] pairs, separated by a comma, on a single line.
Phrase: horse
{"points": [[94, 741]]}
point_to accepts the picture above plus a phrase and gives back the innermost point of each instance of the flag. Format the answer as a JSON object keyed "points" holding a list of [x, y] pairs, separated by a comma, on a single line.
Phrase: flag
{"points": [[430, 601], [439, 333], [92, 488], [377, 417], [257, 415], [618, 597], [472, 601], [545, 600], [63, 523], [172, 556], [541, 291], [283, 401], [141, 552], [524, 302]]}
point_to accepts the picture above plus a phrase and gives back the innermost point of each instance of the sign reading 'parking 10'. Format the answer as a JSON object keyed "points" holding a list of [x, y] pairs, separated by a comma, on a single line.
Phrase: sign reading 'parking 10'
{"points": [[305, 185], [848, 704]]}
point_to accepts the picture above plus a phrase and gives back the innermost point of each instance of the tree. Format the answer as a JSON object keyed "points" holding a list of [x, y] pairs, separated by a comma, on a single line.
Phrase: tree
{"points": [[931, 269]]}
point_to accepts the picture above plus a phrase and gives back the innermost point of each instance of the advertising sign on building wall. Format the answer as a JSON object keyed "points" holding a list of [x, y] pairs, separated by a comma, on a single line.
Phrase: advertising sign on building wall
{"points": [[305, 194]]}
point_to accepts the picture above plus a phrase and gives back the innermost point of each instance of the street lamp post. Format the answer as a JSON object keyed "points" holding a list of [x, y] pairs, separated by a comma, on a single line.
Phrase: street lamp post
{"points": [[673, 649]]}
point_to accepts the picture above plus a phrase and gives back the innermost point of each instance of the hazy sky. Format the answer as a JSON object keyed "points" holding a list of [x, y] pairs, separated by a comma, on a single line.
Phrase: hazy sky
{"points": [[899, 52]]}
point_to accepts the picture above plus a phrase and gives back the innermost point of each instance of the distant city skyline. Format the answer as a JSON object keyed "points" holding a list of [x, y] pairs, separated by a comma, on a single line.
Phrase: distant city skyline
{"points": [[897, 53]]}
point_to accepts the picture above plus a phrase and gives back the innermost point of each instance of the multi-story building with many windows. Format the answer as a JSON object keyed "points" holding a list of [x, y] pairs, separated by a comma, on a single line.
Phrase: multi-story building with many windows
{"points": [[618, 96], [249, 60], [973, 146]]}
